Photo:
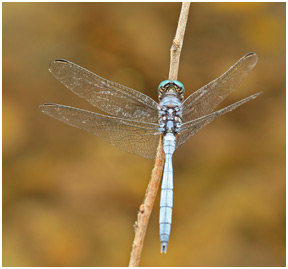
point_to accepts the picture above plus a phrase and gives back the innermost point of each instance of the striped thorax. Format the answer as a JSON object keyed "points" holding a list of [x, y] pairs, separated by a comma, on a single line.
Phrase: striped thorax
{"points": [[171, 93]]}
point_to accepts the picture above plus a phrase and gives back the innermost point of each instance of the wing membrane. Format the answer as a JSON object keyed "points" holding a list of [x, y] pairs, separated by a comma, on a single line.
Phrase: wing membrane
{"points": [[207, 98], [188, 129], [110, 97], [128, 135]]}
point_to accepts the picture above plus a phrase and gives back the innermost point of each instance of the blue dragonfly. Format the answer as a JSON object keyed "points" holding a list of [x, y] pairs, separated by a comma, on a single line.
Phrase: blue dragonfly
{"points": [[136, 122]]}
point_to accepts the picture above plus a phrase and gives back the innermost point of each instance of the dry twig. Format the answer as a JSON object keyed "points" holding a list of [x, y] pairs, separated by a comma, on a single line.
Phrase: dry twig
{"points": [[176, 48], [151, 192]]}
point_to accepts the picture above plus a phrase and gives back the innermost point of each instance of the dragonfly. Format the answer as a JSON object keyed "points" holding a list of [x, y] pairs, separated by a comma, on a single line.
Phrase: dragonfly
{"points": [[136, 122]]}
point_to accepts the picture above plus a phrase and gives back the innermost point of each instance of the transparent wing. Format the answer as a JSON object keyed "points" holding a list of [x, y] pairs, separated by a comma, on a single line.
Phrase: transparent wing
{"points": [[207, 98], [110, 97], [131, 136], [190, 128]]}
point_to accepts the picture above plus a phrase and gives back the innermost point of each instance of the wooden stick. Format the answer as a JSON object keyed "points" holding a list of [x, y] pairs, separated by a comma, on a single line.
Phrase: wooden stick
{"points": [[176, 48], [152, 189], [146, 207]]}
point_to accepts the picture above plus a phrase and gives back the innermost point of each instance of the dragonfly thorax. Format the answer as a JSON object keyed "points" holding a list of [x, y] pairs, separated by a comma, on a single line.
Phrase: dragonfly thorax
{"points": [[170, 115]]}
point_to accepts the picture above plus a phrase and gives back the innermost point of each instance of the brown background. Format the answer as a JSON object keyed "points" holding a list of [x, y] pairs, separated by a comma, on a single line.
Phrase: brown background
{"points": [[70, 199]]}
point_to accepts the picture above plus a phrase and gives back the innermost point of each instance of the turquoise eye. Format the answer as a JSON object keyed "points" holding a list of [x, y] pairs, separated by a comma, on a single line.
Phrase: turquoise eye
{"points": [[162, 84], [179, 84]]}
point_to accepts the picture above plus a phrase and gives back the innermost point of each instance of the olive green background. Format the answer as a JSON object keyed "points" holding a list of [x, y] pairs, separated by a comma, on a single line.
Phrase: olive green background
{"points": [[70, 199]]}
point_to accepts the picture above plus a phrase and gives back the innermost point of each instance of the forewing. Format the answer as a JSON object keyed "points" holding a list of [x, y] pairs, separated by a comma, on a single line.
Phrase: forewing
{"points": [[128, 135], [188, 129], [110, 97], [207, 98]]}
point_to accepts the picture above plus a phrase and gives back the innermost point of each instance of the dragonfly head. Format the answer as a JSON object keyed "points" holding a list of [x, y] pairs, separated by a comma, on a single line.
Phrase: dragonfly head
{"points": [[171, 87]]}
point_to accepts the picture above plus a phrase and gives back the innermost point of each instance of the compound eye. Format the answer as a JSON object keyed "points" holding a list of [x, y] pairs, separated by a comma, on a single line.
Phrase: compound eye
{"points": [[180, 85], [162, 84]]}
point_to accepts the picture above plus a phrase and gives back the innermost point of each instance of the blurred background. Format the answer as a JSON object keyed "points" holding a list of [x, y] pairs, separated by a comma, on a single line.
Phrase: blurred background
{"points": [[70, 199]]}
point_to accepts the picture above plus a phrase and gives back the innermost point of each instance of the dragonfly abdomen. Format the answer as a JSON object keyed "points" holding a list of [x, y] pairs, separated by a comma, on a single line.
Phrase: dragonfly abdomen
{"points": [[166, 200]]}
